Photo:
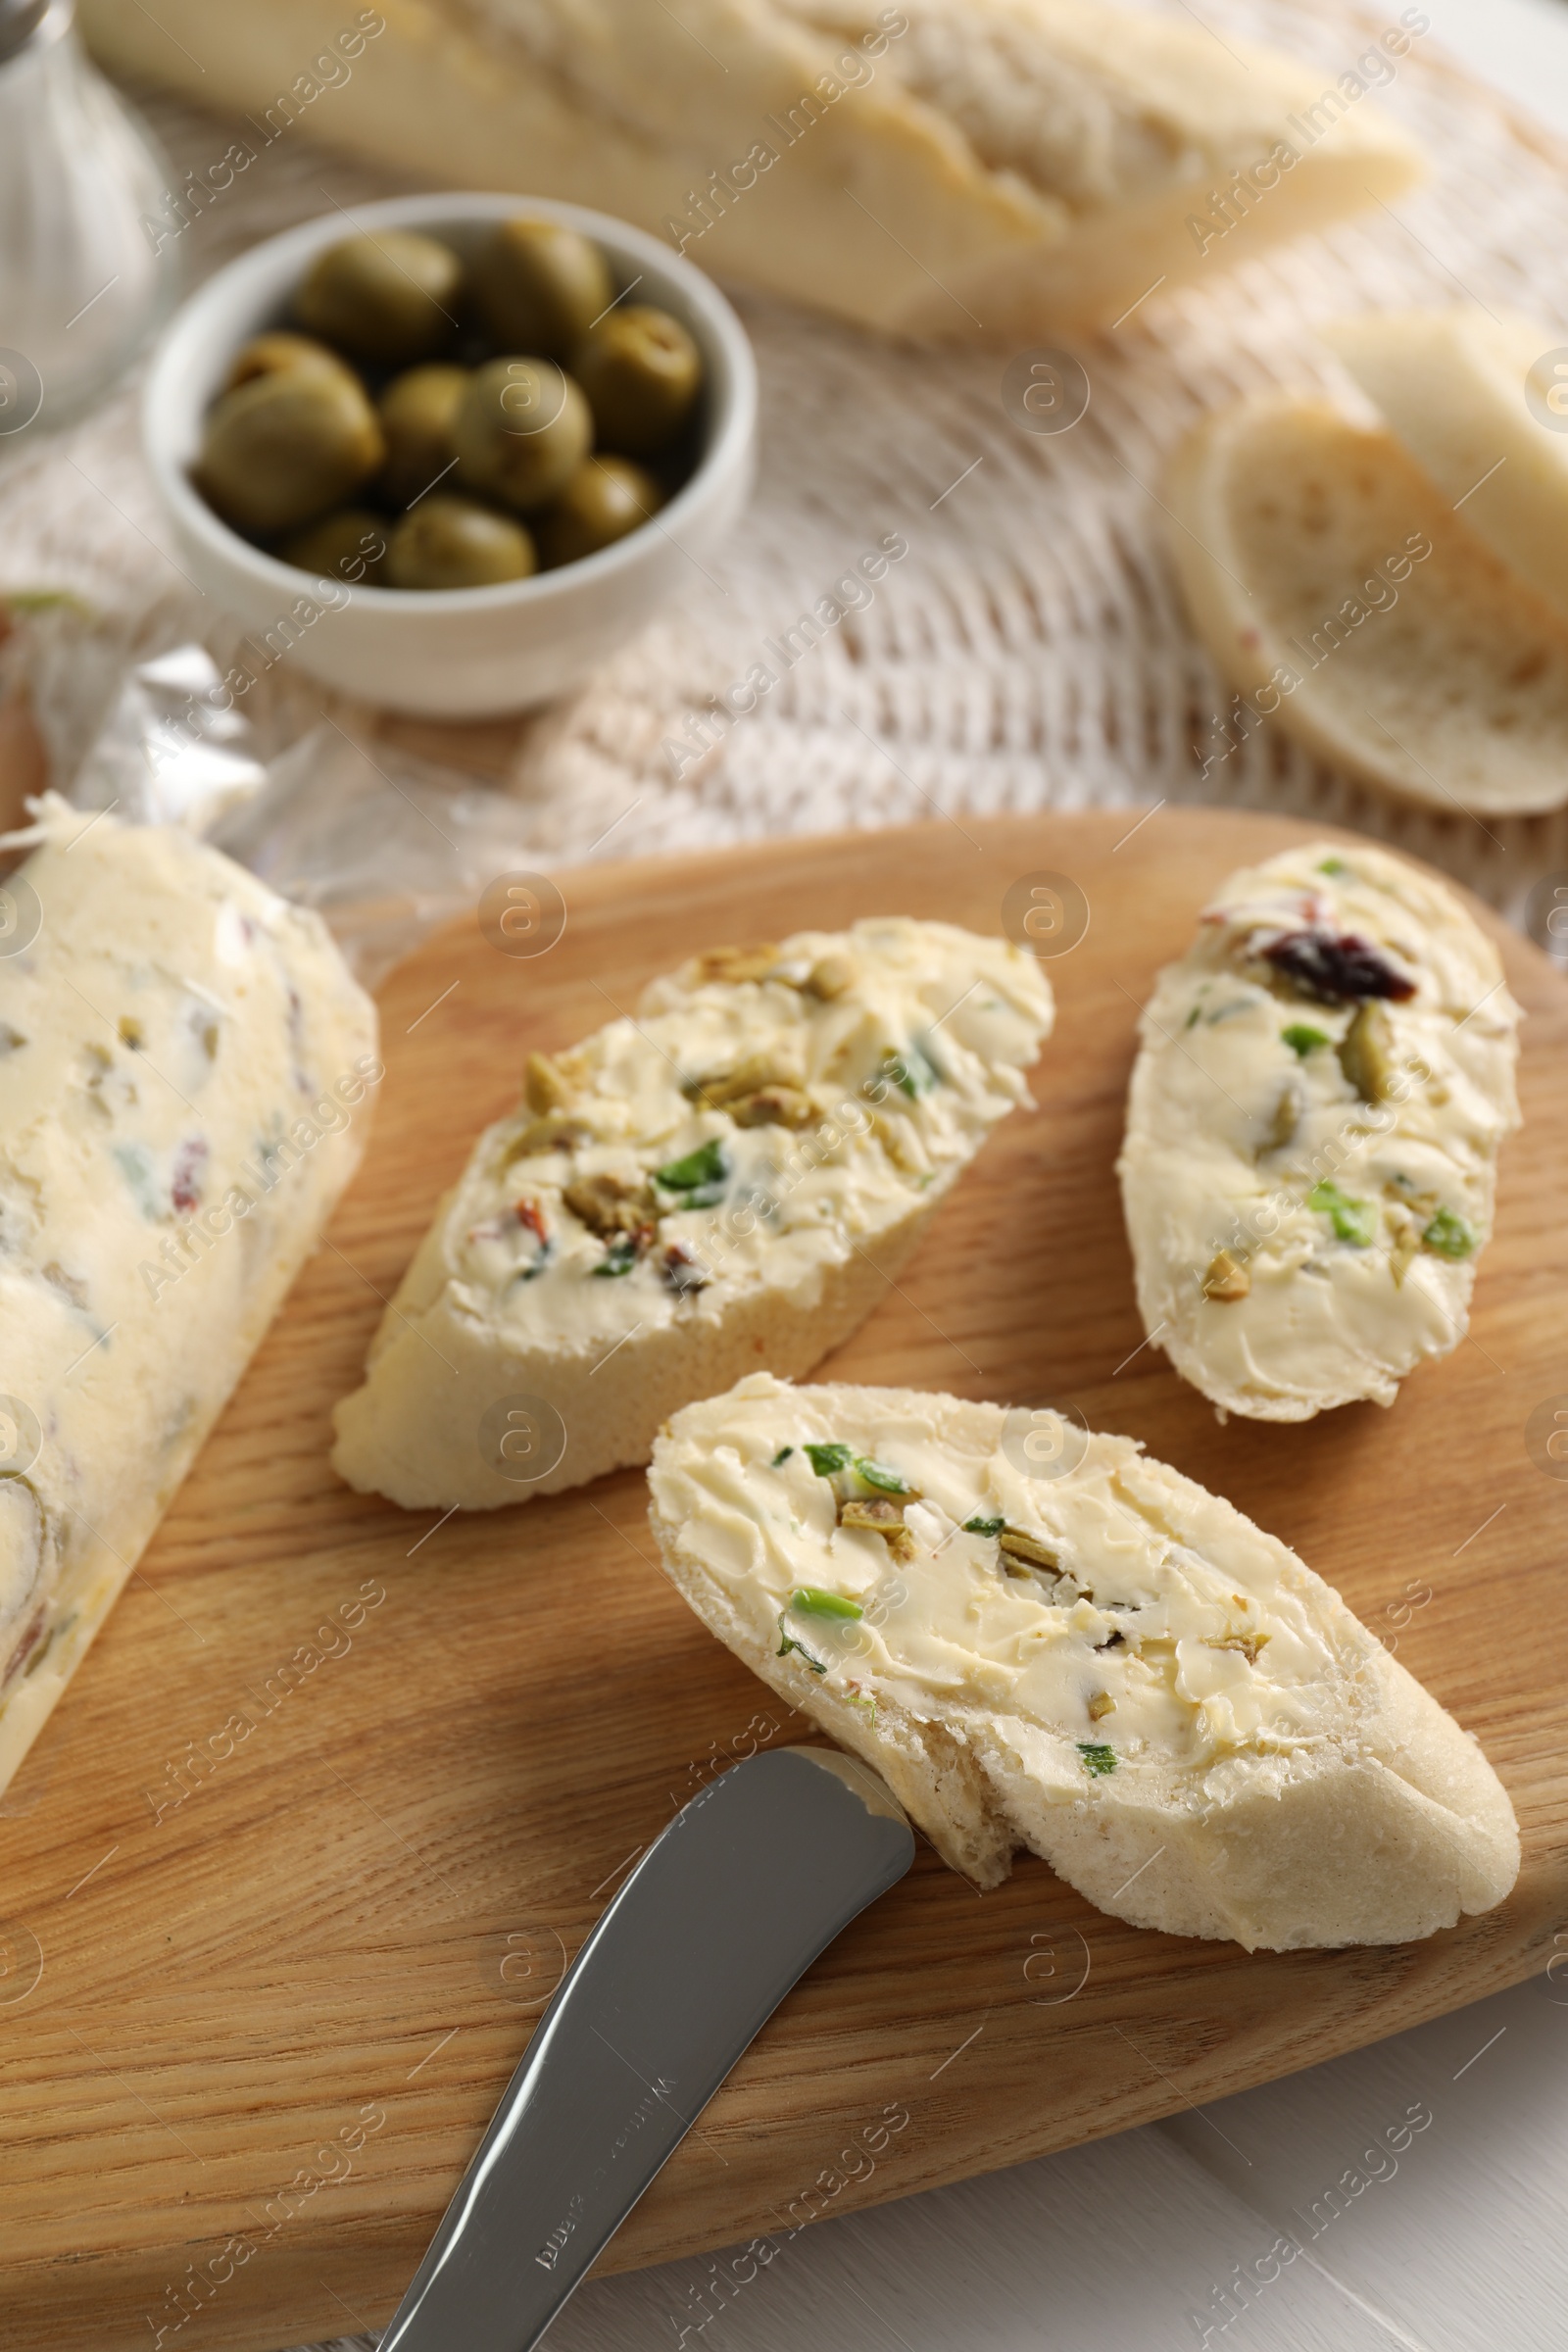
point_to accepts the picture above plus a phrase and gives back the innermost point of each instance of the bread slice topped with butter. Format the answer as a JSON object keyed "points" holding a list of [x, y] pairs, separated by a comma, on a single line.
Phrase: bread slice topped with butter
{"points": [[731, 1178], [1323, 1084], [1109, 1666]]}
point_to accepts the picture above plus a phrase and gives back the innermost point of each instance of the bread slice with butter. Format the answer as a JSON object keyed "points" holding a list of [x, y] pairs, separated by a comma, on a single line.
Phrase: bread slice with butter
{"points": [[187, 1073], [949, 168], [1111, 1666], [730, 1178], [1346, 602], [1321, 1089]]}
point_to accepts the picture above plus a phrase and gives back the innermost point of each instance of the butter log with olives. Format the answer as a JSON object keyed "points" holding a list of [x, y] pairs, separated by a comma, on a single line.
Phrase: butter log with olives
{"points": [[432, 420]]}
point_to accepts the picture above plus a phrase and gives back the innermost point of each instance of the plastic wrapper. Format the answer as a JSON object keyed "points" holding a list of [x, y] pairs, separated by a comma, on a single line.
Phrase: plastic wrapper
{"points": [[384, 847], [172, 750]]}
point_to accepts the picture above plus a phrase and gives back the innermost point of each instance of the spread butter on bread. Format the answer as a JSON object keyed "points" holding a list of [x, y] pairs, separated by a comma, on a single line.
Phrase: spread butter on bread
{"points": [[729, 1179], [1111, 1666], [1322, 1086]]}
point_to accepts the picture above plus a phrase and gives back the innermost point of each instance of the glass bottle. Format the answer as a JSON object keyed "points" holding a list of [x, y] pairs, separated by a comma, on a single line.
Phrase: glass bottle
{"points": [[82, 288]]}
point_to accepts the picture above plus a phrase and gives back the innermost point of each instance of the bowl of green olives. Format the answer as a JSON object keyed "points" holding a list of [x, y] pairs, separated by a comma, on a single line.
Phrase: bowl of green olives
{"points": [[449, 453]]}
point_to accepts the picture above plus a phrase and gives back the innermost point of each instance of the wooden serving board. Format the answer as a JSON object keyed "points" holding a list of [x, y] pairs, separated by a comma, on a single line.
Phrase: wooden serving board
{"points": [[249, 2038]]}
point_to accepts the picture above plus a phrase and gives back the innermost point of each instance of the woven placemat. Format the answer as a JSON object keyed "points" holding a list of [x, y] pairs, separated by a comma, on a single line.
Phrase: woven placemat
{"points": [[1030, 649]]}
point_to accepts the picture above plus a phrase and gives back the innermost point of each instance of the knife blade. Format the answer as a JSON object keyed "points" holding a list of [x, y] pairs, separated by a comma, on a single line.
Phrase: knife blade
{"points": [[723, 1914]]}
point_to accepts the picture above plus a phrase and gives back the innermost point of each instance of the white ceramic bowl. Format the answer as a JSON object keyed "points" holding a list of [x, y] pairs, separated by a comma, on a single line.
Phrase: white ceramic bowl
{"points": [[464, 653]]}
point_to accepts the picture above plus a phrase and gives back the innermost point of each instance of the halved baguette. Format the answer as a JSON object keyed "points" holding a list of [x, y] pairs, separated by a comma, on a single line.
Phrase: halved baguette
{"points": [[1113, 1667], [1323, 1084], [1468, 394], [730, 1179], [1346, 602], [947, 167]]}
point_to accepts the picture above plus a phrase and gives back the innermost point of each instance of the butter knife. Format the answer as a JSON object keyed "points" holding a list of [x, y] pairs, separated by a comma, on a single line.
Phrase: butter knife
{"points": [[726, 1910]]}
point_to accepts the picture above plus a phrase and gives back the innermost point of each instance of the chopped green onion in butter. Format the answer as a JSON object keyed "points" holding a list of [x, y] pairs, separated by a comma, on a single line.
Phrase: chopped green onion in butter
{"points": [[813, 1601], [1353, 1221], [1304, 1039], [878, 1475], [1450, 1234], [827, 1461], [702, 1175]]}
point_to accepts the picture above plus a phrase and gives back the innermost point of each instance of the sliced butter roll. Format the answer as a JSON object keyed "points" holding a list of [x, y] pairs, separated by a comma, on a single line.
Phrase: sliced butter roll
{"points": [[730, 1178], [1348, 603], [1113, 1667], [186, 1087], [1312, 1131]]}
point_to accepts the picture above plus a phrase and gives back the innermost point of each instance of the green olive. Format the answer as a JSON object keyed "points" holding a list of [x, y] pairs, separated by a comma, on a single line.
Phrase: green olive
{"points": [[541, 287], [522, 433], [275, 353], [350, 545], [641, 373], [391, 297], [605, 499], [283, 449], [417, 410], [456, 542]]}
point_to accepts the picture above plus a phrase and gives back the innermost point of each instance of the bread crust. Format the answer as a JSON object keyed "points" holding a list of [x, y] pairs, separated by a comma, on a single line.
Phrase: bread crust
{"points": [[748, 1163], [394, 1436], [607, 119]]}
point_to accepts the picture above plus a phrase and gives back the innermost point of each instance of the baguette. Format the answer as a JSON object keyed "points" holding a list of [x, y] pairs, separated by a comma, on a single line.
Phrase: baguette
{"points": [[1111, 1666], [1323, 1084], [954, 168], [1344, 599], [186, 1079], [733, 1177]]}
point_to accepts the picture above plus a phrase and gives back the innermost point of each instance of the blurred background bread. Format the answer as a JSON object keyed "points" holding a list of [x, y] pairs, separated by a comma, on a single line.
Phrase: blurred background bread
{"points": [[952, 167], [1347, 602]]}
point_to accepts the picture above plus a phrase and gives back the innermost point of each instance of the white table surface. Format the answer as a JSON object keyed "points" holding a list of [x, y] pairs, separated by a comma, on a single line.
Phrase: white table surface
{"points": [[1454, 2243]]}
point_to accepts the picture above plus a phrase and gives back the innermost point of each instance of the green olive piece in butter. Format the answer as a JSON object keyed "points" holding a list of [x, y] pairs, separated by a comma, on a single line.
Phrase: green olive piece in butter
{"points": [[1366, 1053]]}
